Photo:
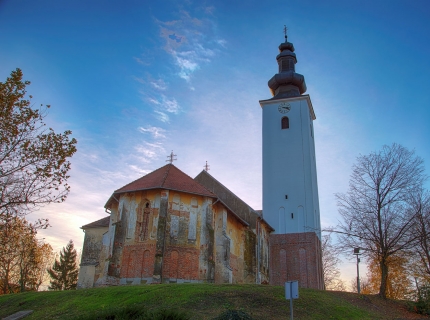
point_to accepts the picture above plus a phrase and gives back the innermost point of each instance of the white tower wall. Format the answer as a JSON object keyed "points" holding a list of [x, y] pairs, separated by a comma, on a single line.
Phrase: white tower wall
{"points": [[289, 167]]}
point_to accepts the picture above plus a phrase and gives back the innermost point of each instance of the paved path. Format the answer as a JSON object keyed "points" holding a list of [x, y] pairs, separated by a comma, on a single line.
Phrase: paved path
{"points": [[19, 315]]}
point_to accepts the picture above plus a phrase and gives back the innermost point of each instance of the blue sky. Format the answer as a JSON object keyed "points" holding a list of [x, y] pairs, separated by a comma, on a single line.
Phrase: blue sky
{"points": [[134, 80]]}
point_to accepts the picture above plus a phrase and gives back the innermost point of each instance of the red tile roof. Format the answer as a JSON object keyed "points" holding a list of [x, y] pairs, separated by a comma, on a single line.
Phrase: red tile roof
{"points": [[167, 177]]}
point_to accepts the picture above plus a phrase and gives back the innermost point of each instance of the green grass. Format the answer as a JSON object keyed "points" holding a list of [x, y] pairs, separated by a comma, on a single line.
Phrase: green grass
{"points": [[197, 301]]}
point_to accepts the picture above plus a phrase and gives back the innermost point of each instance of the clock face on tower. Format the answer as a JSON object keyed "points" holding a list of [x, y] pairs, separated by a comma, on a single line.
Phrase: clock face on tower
{"points": [[284, 107]]}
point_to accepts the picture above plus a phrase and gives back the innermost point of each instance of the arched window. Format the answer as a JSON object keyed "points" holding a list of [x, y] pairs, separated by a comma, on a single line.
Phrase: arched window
{"points": [[142, 223], [285, 123]]}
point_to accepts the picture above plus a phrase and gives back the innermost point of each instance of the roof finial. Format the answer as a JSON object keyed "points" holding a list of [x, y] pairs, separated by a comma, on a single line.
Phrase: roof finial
{"points": [[285, 32], [171, 157], [206, 166]]}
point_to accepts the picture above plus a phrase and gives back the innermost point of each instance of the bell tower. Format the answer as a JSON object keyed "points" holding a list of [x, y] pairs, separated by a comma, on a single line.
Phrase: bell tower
{"points": [[290, 189]]}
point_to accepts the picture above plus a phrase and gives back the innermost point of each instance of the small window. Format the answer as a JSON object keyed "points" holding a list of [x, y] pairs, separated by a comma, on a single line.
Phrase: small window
{"points": [[285, 123]]}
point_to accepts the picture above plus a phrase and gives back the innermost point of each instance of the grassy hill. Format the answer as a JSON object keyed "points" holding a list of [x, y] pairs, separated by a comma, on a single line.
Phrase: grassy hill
{"points": [[203, 301]]}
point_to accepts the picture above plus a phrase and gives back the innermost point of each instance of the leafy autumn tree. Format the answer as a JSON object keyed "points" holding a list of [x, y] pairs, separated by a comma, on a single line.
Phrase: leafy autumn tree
{"points": [[22, 256], [45, 260], [64, 273], [376, 212], [10, 236], [399, 282], [33, 159], [33, 262], [364, 286], [330, 262]]}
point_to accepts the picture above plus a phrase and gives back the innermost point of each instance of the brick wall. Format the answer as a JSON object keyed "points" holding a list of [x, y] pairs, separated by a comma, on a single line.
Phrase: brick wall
{"points": [[181, 264], [138, 261], [296, 256]]}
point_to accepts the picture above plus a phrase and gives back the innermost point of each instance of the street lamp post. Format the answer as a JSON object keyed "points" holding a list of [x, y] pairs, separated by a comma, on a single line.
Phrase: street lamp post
{"points": [[357, 253]]}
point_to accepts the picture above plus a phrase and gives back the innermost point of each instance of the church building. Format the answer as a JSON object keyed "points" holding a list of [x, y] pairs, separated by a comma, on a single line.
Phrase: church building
{"points": [[167, 227]]}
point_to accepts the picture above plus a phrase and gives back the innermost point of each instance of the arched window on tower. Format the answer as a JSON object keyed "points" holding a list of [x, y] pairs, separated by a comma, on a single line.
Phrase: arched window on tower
{"points": [[285, 123]]}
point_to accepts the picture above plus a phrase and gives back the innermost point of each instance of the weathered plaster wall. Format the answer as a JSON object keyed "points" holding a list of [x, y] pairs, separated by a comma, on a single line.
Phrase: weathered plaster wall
{"points": [[107, 250], [236, 233], [187, 251], [135, 237], [263, 252], [223, 270], [160, 236], [86, 277], [90, 268], [236, 249], [206, 243], [165, 236], [249, 268]]}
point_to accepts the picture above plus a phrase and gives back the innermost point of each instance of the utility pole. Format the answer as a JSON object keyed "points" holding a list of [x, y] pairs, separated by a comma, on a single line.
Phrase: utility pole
{"points": [[357, 253]]}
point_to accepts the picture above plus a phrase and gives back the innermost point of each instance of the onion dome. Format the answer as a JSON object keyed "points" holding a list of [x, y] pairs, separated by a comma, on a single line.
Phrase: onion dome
{"points": [[287, 83]]}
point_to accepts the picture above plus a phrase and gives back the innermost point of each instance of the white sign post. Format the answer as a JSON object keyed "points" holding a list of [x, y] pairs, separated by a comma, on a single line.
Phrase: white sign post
{"points": [[291, 292]]}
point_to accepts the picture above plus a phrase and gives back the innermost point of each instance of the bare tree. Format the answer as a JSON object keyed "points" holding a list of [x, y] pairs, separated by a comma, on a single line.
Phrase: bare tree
{"points": [[375, 211], [330, 262], [420, 202]]}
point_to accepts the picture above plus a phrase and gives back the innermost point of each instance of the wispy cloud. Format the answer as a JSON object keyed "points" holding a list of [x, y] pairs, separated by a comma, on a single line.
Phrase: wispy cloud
{"points": [[222, 42], [149, 151], [163, 117], [154, 101], [170, 105], [186, 66], [165, 105], [190, 41], [156, 132], [139, 170], [159, 84], [141, 61]]}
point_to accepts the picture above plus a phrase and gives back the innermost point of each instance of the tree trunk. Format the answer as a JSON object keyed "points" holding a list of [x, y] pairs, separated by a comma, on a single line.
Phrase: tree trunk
{"points": [[384, 279], [6, 282]]}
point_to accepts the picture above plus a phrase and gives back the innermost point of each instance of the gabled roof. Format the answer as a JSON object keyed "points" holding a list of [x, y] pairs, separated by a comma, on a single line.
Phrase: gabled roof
{"points": [[168, 177], [229, 199], [104, 222]]}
